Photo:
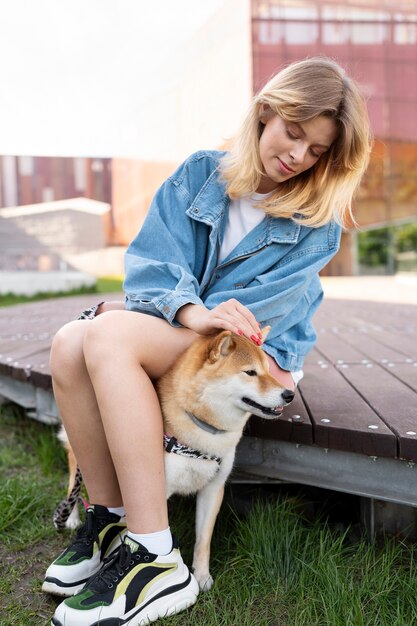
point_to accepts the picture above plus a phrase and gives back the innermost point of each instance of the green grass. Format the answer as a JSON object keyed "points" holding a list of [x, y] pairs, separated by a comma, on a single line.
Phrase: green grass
{"points": [[272, 567], [105, 284]]}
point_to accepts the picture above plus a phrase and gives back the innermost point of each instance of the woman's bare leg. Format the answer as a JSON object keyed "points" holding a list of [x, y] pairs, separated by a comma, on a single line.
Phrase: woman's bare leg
{"points": [[283, 376], [118, 438], [80, 415], [124, 352]]}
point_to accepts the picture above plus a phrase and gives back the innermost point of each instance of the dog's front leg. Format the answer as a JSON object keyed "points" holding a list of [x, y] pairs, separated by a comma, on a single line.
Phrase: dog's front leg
{"points": [[209, 500]]}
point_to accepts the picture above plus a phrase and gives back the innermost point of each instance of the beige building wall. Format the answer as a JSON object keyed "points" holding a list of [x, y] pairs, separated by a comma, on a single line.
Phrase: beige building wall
{"points": [[134, 184], [201, 98]]}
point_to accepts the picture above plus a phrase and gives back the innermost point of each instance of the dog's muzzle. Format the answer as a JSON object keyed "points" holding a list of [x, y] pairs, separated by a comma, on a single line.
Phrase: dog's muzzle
{"points": [[276, 411]]}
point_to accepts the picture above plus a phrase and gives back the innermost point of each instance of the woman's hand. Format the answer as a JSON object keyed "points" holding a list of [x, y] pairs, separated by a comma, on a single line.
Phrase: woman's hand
{"points": [[230, 315]]}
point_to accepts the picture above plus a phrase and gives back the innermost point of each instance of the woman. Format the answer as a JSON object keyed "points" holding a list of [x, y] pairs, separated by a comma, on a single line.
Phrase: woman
{"points": [[231, 241]]}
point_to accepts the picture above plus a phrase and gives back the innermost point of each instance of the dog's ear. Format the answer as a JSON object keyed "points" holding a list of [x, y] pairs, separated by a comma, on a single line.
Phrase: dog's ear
{"points": [[222, 345], [265, 332]]}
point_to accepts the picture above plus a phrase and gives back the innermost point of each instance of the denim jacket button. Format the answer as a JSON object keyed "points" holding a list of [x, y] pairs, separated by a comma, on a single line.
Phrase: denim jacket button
{"points": [[196, 210], [166, 309]]}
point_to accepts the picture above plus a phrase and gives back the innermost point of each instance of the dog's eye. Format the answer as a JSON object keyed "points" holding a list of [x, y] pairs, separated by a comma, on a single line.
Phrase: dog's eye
{"points": [[251, 372]]}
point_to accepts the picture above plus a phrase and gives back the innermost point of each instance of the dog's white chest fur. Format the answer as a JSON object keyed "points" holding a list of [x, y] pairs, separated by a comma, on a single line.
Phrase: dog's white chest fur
{"points": [[186, 475]]}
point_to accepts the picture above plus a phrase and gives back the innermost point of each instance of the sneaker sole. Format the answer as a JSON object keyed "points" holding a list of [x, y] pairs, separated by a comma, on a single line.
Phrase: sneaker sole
{"points": [[164, 607], [63, 592], [155, 609]]}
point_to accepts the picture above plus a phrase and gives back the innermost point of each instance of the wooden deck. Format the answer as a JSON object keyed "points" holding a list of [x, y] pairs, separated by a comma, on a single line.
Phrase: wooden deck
{"points": [[358, 397], [359, 393]]}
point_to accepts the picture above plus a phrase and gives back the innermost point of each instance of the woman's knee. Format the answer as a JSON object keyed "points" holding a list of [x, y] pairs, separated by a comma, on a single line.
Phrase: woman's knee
{"points": [[67, 349], [105, 337]]}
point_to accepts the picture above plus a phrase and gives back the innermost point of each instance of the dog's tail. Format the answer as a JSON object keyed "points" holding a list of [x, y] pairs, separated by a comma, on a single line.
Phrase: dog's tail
{"points": [[65, 508]]}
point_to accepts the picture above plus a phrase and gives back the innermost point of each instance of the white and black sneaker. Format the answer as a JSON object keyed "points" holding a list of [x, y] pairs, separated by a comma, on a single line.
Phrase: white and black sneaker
{"points": [[134, 587], [97, 538]]}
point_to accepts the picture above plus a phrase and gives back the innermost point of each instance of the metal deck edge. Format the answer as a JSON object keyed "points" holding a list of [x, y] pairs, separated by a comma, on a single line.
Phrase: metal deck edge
{"points": [[39, 403], [392, 480]]}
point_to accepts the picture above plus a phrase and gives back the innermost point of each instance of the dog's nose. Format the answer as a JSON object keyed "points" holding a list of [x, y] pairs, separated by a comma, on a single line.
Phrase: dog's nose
{"points": [[288, 395]]}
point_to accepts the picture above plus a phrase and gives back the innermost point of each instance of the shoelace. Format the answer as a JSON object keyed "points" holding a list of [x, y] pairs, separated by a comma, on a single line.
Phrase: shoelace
{"points": [[115, 567], [88, 531]]}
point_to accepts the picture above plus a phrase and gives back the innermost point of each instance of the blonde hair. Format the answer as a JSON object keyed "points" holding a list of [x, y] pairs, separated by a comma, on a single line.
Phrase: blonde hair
{"points": [[301, 92]]}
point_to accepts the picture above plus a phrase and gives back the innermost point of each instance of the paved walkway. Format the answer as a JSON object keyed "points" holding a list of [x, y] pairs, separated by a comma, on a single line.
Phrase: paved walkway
{"points": [[400, 289]]}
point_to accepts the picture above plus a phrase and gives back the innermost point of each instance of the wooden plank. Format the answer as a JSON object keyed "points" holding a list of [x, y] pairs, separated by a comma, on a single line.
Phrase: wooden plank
{"points": [[333, 346], [381, 346], [49, 313], [403, 342], [294, 425], [40, 375], [30, 363], [34, 317], [16, 337], [406, 372], [19, 359], [393, 401], [316, 358], [372, 316], [27, 330], [341, 418], [341, 314]]}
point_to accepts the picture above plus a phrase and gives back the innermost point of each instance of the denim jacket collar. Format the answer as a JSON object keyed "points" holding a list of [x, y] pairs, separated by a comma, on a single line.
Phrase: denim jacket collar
{"points": [[211, 203]]}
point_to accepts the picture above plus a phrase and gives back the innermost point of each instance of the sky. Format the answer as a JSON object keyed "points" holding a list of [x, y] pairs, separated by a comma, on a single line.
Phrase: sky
{"points": [[70, 69]]}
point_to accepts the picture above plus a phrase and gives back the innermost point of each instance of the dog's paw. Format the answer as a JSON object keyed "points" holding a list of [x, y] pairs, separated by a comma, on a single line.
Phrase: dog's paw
{"points": [[205, 581], [73, 520]]}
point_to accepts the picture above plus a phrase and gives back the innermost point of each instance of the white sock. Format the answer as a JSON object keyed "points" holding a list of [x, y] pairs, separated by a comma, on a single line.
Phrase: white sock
{"points": [[117, 510], [157, 543]]}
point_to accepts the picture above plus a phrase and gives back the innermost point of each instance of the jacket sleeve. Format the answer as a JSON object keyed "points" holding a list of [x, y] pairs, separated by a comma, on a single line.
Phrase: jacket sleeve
{"points": [[160, 261], [295, 295]]}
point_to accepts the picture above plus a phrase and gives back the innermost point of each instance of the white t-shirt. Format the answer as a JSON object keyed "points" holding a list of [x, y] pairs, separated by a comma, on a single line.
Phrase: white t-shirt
{"points": [[244, 215]]}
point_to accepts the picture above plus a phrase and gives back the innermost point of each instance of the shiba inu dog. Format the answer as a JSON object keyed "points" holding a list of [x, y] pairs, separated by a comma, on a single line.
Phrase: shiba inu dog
{"points": [[206, 400]]}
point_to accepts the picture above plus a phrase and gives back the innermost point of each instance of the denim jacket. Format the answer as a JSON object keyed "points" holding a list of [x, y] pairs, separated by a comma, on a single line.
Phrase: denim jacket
{"points": [[273, 271]]}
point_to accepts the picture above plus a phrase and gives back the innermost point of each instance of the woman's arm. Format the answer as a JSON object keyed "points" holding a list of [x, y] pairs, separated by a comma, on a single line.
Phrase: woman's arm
{"points": [[161, 263]]}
